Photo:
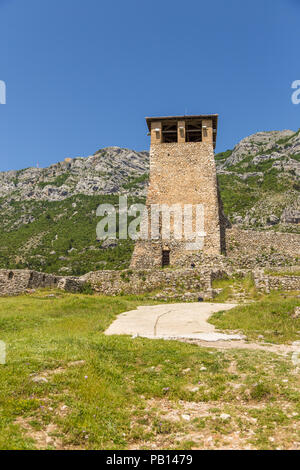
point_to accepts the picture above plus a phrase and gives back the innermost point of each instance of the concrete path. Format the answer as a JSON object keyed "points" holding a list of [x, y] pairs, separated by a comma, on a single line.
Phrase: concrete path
{"points": [[172, 321]]}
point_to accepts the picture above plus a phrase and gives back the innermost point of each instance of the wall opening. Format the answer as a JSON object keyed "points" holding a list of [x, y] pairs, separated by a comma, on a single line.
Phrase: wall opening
{"points": [[169, 131], [10, 275], [165, 258], [193, 130]]}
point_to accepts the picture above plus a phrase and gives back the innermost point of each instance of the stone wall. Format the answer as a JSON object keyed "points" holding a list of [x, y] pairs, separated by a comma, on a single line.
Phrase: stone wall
{"points": [[141, 281], [185, 284], [267, 282], [253, 243], [17, 281]]}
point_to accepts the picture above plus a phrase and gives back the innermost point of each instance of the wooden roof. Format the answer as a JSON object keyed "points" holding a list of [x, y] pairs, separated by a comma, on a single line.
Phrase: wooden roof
{"points": [[182, 118], [214, 117]]}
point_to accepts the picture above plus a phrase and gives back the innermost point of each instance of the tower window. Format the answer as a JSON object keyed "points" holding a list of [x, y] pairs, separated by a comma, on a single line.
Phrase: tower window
{"points": [[193, 131], [169, 131], [165, 258]]}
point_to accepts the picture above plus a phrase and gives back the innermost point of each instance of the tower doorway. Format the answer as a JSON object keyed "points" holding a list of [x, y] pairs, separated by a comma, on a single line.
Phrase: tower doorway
{"points": [[165, 258]]}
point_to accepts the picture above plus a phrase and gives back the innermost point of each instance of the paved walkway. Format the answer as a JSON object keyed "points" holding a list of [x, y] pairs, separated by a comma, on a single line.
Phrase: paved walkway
{"points": [[172, 321]]}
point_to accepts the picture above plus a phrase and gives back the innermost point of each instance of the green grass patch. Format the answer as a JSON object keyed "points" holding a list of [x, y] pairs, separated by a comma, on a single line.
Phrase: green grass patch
{"points": [[115, 392], [269, 317]]}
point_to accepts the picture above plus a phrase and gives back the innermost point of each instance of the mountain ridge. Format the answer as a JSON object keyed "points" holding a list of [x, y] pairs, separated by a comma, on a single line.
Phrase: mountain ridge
{"points": [[48, 215]]}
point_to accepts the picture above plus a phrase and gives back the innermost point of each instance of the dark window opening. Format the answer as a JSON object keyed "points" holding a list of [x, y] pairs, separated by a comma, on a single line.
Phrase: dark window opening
{"points": [[165, 258], [193, 131], [169, 131], [10, 275]]}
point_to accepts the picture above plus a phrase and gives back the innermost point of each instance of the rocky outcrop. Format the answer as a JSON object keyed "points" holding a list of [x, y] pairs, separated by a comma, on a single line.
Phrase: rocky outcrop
{"points": [[265, 169], [263, 146], [110, 170]]}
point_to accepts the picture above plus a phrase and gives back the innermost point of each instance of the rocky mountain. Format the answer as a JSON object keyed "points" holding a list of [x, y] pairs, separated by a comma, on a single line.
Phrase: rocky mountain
{"points": [[48, 215], [108, 171], [260, 180]]}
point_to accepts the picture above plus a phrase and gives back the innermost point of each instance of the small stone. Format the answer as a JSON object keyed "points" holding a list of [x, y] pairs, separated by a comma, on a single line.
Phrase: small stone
{"points": [[185, 371], [225, 417], [203, 368], [40, 380], [296, 313]]}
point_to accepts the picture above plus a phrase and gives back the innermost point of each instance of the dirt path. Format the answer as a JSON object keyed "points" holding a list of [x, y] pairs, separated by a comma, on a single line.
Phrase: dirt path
{"points": [[283, 349]]}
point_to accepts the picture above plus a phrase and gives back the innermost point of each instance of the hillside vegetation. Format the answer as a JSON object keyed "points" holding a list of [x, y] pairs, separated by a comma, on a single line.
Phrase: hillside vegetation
{"points": [[260, 181], [61, 237], [48, 215]]}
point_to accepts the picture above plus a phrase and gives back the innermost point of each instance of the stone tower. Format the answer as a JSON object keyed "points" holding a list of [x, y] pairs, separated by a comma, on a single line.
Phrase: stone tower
{"points": [[182, 174]]}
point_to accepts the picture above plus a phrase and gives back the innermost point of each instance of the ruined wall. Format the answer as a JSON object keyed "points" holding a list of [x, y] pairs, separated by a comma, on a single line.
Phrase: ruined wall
{"points": [[18, 281], [169, 281], [181, 173], [253, 243], [267, 282]]}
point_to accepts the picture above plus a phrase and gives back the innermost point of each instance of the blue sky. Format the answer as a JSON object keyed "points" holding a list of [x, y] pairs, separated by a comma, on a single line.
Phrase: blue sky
{"points": [[83, 74]]}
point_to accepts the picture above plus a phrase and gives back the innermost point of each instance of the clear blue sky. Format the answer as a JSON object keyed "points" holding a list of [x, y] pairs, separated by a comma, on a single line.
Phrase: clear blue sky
{"points": [[83, 74]]}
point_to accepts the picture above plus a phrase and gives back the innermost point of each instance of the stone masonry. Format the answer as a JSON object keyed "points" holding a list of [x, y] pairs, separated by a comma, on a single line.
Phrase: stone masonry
{"points": [[182, 173], [267, 282], [18, 281]]}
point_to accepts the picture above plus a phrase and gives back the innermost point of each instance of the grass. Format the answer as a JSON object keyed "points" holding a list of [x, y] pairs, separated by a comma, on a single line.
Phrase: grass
{"points": [[270, 317], [282, 273], [65, 385]]}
